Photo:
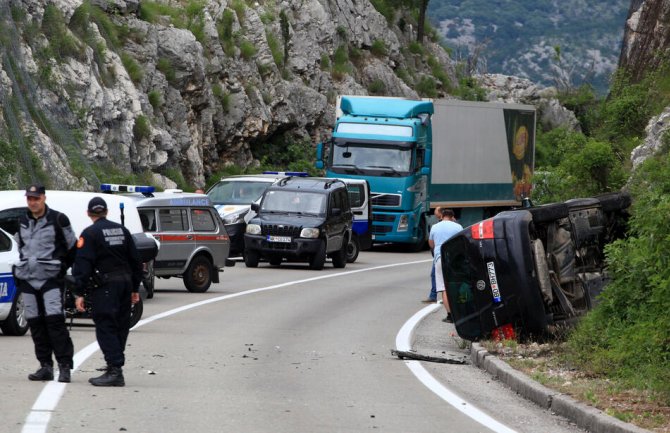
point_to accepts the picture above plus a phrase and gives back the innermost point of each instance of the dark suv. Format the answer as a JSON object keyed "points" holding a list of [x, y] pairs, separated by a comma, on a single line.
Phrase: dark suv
{"points": [[531, 271], [300, 219]]}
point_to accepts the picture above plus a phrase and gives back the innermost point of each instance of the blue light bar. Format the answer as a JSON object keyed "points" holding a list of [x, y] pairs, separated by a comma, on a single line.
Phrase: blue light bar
{"points": [[112, 187], [288, 173]]}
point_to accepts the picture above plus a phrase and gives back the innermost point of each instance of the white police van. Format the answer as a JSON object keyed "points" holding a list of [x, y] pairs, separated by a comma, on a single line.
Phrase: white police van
{"points": [[194, 242], [12, 311], [232, 197], [74, 204]]}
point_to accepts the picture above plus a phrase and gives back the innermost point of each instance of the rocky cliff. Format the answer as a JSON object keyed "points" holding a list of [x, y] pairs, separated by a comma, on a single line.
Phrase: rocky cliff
{"points": [[185, 88]]}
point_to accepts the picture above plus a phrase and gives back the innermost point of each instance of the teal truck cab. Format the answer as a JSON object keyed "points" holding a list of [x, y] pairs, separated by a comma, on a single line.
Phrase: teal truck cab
{"points": [[474, 157], [388, 143]]}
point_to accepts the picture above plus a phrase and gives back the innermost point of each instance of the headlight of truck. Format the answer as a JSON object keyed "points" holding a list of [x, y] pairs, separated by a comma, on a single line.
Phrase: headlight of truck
{"points": [[310, 233], [237, 217], [253, 229], [403, 223]]}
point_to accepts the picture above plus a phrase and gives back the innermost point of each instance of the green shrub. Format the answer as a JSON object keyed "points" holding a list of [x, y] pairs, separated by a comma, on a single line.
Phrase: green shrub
{"points": [[416, 48], [225, 30], [247, 50], [225, 98], [468, 89], [340, 63], [133, 68], [325, 62], [426, 87], [60, 40], [155, 99], [378, 48], [384, 8], [275, 48], [377, 87], [165, 66], [240, 8], [142, 128]]}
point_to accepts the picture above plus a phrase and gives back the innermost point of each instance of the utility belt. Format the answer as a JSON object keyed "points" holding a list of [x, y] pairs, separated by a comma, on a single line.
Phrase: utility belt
{"points": [[118, 276]]}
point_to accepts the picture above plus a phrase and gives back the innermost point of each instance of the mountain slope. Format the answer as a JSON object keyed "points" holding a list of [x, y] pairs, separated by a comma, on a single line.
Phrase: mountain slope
{"points": [[519, 36]]}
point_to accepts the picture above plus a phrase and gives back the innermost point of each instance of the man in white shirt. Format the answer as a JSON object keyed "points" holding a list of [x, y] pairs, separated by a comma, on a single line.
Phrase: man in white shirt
{"points": [[439, 234]]}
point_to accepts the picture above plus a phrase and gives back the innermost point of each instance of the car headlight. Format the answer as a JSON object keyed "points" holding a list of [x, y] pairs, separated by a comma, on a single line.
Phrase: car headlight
{"points": [[235, 218], [309, 233], [253, 229], [403, 223]]}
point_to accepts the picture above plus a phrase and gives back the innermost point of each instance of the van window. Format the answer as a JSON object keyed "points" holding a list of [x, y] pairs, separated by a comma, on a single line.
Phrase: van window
{"points": [[9, 219], [148, 219], [173, 220], [356, 195], [202, 220], [5, 242]]}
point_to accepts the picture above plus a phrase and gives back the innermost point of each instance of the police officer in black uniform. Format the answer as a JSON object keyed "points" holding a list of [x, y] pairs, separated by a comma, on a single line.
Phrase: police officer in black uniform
{"points": [[106, 252]]}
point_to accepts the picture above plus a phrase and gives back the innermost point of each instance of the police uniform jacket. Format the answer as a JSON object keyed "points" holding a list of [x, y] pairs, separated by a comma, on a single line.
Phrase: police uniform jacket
{"points": [[109, 248]]}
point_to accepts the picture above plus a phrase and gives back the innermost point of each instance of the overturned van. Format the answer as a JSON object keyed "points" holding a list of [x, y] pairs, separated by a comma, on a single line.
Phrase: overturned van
{"points": [[531, 271]]}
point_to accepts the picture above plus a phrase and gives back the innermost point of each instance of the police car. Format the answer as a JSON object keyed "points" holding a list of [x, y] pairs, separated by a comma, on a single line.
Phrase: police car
{"points": [[12, 311], [194, 242], [232, 197]]}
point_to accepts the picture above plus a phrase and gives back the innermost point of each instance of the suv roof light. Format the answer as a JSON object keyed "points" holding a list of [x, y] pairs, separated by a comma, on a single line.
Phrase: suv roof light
{"points": [[113, 187], [288, 173]]}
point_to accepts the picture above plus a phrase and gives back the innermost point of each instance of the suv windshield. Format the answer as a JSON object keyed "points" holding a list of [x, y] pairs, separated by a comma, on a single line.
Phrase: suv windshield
{"points": [[294, 202], [237, 192]]}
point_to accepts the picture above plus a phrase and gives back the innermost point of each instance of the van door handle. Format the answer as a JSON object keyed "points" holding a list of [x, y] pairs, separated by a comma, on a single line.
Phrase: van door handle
{"points": [[189, 237]]}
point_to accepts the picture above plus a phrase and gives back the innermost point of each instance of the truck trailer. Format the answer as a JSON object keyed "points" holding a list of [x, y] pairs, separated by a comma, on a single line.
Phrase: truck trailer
{"points": [[474, 157]]}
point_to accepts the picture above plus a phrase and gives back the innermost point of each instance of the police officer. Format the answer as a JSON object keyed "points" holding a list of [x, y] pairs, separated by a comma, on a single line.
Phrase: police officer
{"points": [[46, 246], [106, 252]]}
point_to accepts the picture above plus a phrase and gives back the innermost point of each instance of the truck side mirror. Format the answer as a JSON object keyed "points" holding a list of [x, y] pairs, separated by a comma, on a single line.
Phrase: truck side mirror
{"points": [[319, 156], [425, 171], [427, 158], [255, 207]]}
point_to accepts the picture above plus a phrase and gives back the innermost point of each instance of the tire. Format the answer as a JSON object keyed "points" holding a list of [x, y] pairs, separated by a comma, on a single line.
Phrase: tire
{"points": [[340, 257], [353, 248], [549, 212], [317, 261], [420, 245], [16, 323], [136, 312], [251, 258], [275, 261], [198, 276], [149, 281]]}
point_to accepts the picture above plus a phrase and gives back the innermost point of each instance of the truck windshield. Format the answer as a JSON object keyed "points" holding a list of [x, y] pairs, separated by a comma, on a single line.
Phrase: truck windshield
{"points": [[237, 192], [361, 159], [299, 202]]}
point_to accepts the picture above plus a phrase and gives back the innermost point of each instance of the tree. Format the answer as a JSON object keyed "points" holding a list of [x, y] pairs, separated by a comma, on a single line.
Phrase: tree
{"points": [[423, 5]]}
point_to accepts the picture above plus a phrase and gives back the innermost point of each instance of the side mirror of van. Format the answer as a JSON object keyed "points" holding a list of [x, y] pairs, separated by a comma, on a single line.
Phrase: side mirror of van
{"points": [[255, 207]]}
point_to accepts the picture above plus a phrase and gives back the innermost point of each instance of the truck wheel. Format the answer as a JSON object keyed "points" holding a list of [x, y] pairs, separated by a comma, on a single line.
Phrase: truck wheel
{"points": [[317, 261], [549, 212], [340, 257], [16, 323], [198, 275], [149, 280], [353, 248], [251, 258], [136, 312], [423, 238]]}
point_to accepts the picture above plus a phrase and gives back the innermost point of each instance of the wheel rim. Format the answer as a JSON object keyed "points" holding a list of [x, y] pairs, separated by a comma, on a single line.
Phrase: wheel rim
{"points": [[351, 249], [21, 312], [200, 275]]}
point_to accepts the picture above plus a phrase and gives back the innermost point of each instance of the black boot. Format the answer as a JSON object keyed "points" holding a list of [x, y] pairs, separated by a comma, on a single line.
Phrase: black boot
{"points": [[63, 373], [112, 377], [45, 372]]}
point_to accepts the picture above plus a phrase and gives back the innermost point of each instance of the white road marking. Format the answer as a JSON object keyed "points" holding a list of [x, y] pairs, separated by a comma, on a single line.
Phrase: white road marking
{"points": [[403, 341], [38, 419]]}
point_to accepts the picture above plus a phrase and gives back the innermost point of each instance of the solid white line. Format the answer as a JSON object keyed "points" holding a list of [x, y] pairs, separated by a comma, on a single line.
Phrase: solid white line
{"points": [[403, 341], [40, 414]]}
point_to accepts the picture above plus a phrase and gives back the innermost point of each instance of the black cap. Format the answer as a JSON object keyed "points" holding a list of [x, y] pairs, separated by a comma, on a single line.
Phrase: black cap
{"points": [[35, 190], [97, 206]]}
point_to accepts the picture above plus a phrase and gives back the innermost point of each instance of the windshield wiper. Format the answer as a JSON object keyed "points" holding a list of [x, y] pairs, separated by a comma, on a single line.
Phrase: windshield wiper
{"points": [[349, 168]]}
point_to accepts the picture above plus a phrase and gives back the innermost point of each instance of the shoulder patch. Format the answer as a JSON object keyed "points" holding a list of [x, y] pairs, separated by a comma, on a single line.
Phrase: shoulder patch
{"points": [[80, 242]]}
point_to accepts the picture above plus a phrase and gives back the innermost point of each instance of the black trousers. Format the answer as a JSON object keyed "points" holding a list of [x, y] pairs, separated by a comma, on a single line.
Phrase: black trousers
{"points": [[48, 330], [111, 315]]}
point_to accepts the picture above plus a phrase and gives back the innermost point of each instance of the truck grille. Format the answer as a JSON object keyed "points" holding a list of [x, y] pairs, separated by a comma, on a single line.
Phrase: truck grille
{"points": [[383, 218], [280, 230], [385, 199], [379, 230]]}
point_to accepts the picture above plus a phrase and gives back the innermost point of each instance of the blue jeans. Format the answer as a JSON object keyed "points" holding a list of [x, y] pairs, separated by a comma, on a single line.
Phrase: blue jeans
{"points": [[433, 293]]}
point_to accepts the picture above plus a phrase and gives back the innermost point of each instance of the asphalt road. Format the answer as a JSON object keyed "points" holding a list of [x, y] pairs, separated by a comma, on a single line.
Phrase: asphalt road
{"points": [[281, 350]]}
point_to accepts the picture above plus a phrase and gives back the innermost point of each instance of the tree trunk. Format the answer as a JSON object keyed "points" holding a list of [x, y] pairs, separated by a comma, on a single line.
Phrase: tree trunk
{"points": [[423, 5]]}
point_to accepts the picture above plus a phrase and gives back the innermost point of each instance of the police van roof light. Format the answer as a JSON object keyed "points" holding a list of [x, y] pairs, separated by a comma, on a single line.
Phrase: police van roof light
{"points": [[288, 173], [112, 187]]}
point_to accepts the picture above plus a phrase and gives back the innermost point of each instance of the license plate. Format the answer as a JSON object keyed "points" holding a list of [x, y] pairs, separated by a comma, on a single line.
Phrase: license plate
{"points": [[279, 238]]}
